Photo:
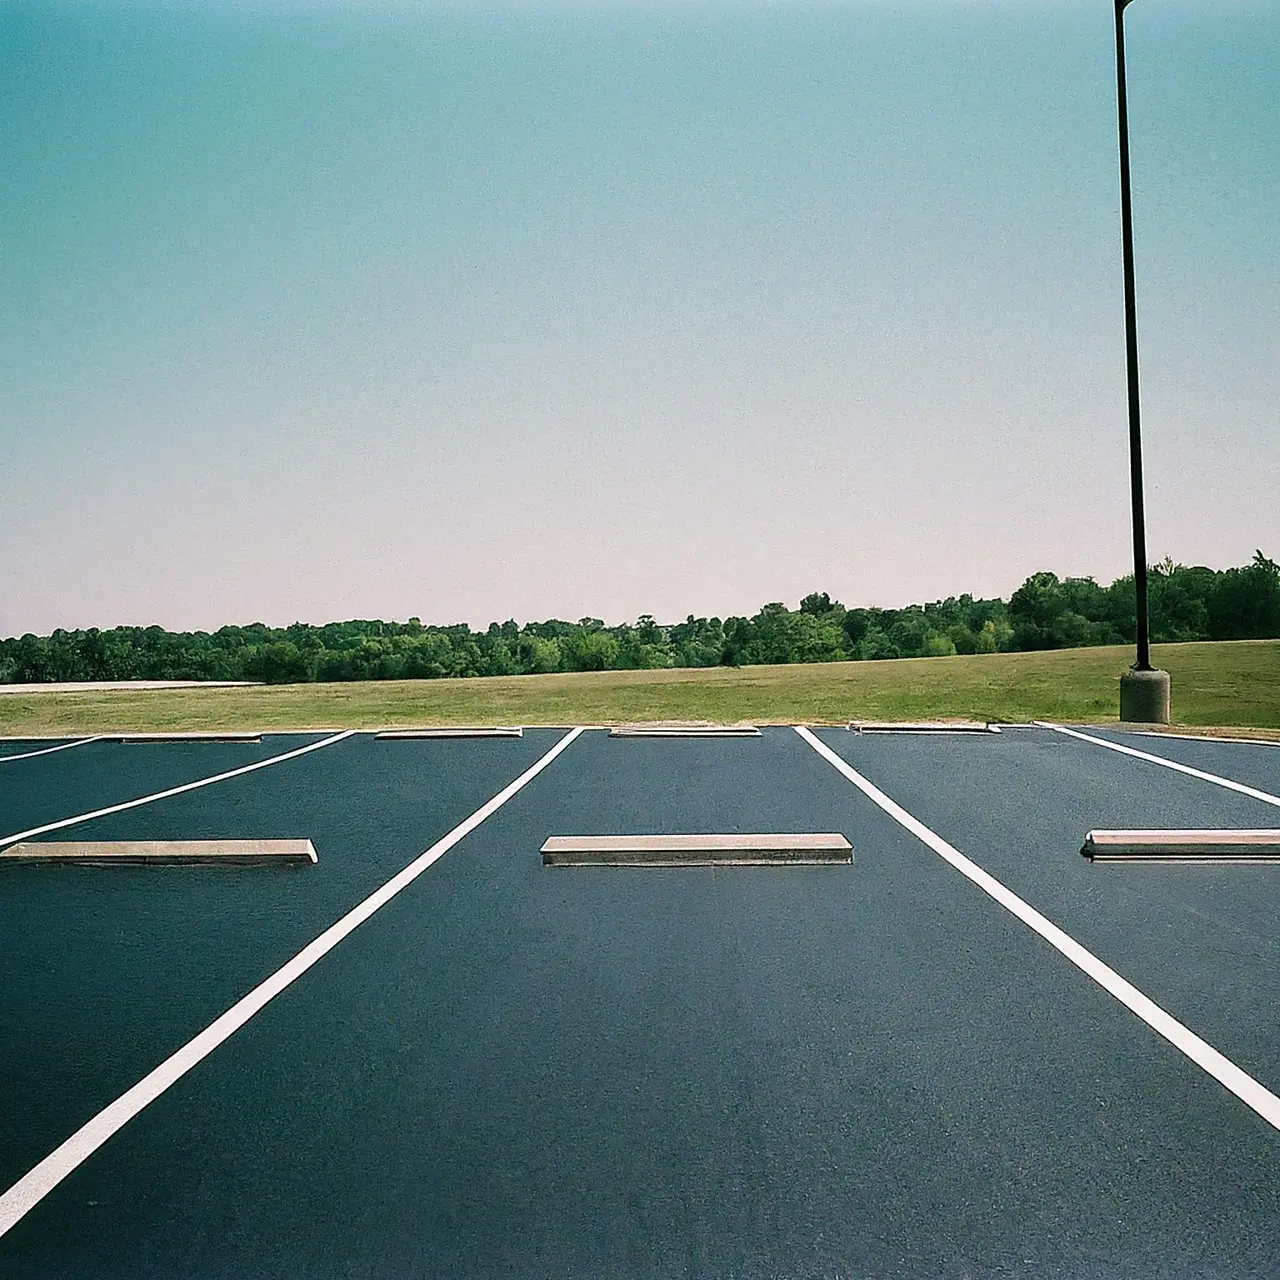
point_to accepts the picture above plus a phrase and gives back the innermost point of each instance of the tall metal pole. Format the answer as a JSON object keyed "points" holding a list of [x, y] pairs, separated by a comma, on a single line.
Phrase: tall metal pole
{"points": [[1131, 336]]}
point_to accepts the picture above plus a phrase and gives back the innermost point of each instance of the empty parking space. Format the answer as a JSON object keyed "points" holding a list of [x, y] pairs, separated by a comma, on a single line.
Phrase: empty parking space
{"points": [[1199, 940], [109, 970], [835, 1070], [16, 749], [1253, 764], [47, 788]]}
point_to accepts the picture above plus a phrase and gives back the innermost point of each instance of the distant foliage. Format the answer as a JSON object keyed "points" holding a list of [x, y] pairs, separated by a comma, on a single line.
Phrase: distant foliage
{"points": [[1046, 612]]}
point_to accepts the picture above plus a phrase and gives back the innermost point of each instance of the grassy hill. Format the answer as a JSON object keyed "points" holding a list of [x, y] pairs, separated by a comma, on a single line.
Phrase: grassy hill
{"points": [[1223, 684]]}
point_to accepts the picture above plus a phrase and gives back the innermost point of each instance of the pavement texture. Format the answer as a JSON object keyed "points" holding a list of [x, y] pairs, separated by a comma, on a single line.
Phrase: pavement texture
{"points": [[1254, 764], [21, 746], [1201, 941], [512, 1070], [100, 774]]}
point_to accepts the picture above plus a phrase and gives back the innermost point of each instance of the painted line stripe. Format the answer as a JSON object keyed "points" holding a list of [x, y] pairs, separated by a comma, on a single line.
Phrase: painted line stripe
{"points": [[1203, 1054], [175, 791], [48, 751], [1264, 796], [33, 1186]]}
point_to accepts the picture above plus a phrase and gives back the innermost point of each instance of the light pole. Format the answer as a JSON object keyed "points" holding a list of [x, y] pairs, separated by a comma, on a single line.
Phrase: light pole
{"points": [[1144, 691]]}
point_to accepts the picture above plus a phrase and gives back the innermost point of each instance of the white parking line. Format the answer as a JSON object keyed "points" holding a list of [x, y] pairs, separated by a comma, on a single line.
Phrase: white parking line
{"points": [[48, 751], [1203, 1054], [174, 791], [1265, 796], [33, 1186]]}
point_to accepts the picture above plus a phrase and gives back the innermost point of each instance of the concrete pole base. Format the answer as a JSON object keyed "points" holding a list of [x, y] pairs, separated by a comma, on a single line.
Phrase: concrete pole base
{"points": [[1144, 697]]}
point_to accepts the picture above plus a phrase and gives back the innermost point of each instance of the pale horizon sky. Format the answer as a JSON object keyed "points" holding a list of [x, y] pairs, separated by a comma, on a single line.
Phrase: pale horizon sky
{"points": [[315, 311]]}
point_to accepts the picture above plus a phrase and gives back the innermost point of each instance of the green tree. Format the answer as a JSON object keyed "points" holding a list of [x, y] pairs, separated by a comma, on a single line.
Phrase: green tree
{"points": [[538, 655], [875, 645], [697, 642], [818, 603], [1039, 612], [1245, 604], [648, 631], [910, 632], [590, 651]]}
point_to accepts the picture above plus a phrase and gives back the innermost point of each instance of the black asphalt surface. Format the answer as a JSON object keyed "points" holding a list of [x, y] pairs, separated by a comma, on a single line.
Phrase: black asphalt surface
{"points": [[1255, 764], [49, 787], [514, 1070], [1201, 941], [20, 746], [109, 970]]}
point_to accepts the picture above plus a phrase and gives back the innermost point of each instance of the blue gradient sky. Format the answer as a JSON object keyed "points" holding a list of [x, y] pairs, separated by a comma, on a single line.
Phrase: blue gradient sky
{"points": [[315, 311]]}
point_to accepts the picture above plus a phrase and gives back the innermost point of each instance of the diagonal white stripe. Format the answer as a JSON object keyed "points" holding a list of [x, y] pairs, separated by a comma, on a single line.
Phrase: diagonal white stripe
{"points": [[1264, 796], [48, 751], [174, 791], [1203, 1054], [33, 1186]]}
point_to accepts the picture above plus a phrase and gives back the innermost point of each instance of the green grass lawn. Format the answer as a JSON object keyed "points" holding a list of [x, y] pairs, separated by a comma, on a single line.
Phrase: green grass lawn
{"points": [[1233, 684]]}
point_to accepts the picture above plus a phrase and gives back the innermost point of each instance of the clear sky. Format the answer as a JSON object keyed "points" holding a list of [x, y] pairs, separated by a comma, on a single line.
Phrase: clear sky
{"points": [[474, 311]]}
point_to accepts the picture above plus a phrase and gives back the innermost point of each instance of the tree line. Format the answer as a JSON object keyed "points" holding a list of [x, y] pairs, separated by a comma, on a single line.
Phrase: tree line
{"points": [[1046, 612]]}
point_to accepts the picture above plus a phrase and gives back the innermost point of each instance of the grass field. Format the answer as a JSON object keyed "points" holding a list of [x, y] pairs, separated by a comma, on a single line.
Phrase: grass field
{"points": [[1227, 684]]}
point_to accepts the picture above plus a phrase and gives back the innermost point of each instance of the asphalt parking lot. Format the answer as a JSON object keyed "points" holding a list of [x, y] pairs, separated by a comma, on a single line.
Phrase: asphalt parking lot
{"points": [[506, 1069]]}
